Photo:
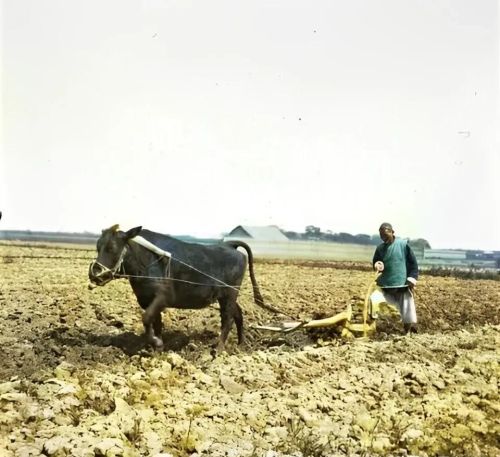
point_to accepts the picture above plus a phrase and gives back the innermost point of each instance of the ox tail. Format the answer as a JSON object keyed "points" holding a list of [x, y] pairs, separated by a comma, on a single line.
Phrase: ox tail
{"points": [[257, 296]]}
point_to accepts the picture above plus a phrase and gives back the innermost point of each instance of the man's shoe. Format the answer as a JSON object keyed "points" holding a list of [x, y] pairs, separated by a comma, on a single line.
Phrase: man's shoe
{"points": [[410, 328]]}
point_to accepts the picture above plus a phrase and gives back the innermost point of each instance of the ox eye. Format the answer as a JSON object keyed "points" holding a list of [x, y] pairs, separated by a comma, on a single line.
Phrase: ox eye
{"points": [[111, 247], [108, 249]]}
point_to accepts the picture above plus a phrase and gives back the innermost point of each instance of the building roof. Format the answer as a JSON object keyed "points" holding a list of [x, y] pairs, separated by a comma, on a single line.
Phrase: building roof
{"points": [[267, 233]]}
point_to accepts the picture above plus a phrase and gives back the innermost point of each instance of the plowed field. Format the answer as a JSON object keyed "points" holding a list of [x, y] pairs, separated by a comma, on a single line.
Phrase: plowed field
{"points": [[77, 380]]}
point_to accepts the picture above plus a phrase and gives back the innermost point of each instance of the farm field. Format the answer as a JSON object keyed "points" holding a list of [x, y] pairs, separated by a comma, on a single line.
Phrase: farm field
{"points": [[76, 379]]}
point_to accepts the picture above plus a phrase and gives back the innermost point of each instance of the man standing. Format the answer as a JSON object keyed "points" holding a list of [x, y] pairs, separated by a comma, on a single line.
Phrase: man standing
{"points": [[398, 268]]}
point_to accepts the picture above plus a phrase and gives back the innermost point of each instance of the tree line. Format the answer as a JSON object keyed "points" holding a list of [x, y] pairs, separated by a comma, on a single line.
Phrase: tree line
{"points": [[313, 233]]}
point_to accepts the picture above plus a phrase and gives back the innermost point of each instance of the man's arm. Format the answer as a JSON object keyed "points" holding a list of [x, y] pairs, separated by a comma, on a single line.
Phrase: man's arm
{"points": [[377, 256], [411, 264]]}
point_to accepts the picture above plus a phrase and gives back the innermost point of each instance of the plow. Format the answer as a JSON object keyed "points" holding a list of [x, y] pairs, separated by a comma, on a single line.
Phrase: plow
{"points": [[356, 321]]}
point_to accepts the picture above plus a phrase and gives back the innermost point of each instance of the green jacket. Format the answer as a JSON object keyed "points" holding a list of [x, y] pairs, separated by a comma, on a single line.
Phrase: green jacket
{"points": [[399, 263]]}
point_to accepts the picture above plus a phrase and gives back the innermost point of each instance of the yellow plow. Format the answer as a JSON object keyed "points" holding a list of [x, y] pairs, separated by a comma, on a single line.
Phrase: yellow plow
{"points": [[356, 321]]}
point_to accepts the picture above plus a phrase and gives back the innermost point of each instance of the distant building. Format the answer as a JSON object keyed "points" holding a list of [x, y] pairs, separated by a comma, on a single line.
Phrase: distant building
{"points": [[445, 254], [262, 233]]}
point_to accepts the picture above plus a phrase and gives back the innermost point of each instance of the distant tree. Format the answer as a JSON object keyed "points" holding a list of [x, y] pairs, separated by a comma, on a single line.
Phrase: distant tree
{"points": [[329, 236], [361, 238], [420, 243], [292, 235], [344, 237], [312, 232]]}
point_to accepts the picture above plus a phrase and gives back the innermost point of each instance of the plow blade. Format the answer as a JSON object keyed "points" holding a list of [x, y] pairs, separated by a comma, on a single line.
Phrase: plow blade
{"points": [[287, 327], [329, 321], [284, 327]]}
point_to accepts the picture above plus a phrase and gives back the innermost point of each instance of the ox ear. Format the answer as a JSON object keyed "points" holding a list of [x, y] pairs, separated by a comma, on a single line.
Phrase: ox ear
{"points": [[133, 232]]}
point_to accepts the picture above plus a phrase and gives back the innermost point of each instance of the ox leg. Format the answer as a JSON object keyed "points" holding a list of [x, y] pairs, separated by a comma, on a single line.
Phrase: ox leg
{"points": [[227, 319], [230, 312], [158, 326], [152, 322]]}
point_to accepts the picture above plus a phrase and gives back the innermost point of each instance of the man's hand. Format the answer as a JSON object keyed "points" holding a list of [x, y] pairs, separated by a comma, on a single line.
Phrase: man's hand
{"points": [[379, 266], [411, 283]]}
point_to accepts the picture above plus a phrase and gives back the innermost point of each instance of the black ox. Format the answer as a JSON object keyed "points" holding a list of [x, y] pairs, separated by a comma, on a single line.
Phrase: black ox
{"points": [[189, 276]]}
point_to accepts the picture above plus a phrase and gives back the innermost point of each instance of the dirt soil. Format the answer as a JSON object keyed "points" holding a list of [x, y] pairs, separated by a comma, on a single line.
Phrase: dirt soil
{"points": [[76, 378]]}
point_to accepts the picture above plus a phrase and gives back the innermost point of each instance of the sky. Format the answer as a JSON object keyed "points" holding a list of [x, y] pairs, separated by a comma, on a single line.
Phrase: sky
{"points": [[193, 117]]}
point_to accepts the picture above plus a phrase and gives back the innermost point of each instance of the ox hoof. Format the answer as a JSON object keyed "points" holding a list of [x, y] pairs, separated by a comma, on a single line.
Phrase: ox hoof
{"points": [[157, 343], [220, 348]]}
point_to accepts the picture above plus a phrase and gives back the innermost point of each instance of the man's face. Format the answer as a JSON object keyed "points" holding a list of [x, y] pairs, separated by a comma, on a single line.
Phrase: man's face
{"points": [[386, 233]]}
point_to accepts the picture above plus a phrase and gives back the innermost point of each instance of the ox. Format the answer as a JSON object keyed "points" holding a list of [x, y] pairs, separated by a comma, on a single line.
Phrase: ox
{"points": [[168, 273]]}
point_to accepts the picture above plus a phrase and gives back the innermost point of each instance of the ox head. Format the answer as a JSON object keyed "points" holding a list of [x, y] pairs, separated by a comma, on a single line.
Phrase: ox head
{"points": [[111, 249]]}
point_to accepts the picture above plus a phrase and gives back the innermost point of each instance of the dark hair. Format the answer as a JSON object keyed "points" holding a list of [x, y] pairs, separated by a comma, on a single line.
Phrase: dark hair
{"points": [[385, 225]]}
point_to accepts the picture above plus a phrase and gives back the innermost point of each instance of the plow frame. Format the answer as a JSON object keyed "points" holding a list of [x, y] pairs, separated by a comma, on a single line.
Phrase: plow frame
{"points": [[344, 319]]}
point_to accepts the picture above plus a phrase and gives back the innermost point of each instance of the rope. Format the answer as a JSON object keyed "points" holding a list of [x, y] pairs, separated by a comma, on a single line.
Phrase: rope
{"points": [[157, 278], [167, 276], [261, 304], [223, 284], [161, 254], [206, 274], [44, 257]]}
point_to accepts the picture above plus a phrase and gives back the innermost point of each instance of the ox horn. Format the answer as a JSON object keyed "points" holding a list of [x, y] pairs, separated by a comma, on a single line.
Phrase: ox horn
{"points": [[113, 228]]}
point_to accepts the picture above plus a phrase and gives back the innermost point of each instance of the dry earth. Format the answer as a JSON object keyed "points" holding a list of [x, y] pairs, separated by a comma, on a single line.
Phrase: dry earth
{"points": [[76, 379]]}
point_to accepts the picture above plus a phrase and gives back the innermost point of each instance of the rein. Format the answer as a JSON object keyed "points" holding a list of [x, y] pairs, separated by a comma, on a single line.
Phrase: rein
{"points": [[160, 252], [155, 249]]}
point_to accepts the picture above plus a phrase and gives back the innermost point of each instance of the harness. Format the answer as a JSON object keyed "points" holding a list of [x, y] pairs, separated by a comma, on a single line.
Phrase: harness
{"points": [[103, 269], [118, 267]]}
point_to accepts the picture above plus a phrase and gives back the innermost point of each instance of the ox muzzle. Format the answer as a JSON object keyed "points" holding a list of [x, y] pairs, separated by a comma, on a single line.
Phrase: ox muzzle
{"points": [[100, 274]]}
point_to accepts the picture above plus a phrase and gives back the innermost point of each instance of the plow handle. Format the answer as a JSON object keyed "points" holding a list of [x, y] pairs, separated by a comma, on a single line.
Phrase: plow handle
{"points": [[372, 286]]}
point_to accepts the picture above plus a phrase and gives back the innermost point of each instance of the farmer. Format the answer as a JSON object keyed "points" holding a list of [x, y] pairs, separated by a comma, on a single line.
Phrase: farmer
{"points": [[398, 274]]}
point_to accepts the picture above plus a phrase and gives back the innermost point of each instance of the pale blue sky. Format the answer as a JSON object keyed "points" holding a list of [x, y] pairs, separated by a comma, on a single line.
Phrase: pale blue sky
{"points": [[192, 117]]}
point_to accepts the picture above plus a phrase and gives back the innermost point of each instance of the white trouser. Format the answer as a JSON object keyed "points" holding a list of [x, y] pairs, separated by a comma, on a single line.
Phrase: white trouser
{"points": [[401, 298]]}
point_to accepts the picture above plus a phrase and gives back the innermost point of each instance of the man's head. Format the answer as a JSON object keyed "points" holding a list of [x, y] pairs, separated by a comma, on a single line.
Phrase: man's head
{"points": [[386, 232]]}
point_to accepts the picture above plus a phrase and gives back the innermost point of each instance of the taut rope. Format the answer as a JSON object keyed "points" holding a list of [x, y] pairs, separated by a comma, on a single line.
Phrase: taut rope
{"points": [[155, 249]]}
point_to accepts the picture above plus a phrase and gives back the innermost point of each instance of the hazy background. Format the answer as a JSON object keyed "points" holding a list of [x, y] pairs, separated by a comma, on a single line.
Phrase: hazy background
{"points": [[192, 117]]}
